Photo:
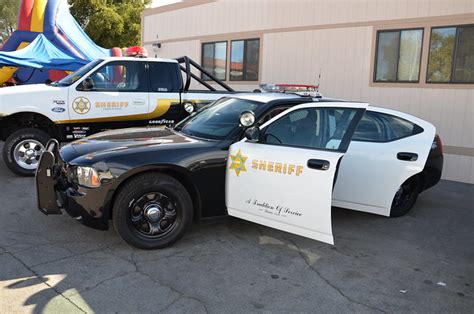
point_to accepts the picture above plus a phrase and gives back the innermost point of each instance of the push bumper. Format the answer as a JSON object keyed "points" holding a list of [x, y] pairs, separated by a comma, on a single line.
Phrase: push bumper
{"points": [[53, 196], [46, 180]]}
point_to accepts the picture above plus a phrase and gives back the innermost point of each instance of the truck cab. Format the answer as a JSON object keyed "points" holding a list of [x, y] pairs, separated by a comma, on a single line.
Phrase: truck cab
{"points": [[109, 93]]}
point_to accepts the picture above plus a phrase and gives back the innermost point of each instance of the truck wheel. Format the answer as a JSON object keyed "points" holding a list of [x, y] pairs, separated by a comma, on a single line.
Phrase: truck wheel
{"points": [[23, 149], [405, 198], [152, 211]]}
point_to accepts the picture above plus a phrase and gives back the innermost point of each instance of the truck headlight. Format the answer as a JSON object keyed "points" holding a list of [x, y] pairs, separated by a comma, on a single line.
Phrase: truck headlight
{"points": [[87, 176]]}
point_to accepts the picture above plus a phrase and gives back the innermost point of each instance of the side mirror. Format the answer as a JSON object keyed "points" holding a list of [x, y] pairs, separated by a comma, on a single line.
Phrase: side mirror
{"points": [[247, 119], [252, 134], [87, 84]]}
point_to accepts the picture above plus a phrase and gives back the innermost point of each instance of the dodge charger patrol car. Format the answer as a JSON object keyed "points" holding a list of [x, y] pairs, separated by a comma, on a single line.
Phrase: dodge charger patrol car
{"points": [[104, 94], [278, 160]]}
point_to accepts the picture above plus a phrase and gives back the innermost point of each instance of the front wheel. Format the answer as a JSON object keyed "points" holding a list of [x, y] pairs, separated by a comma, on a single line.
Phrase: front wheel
{"points": [[152, 211], [23, 149], [405, 198]]}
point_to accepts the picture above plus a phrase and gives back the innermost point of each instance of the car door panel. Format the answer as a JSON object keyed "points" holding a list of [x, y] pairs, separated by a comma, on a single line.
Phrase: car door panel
{"points": [[115, 96], [284, 194], [371, 172], [284, 187]]}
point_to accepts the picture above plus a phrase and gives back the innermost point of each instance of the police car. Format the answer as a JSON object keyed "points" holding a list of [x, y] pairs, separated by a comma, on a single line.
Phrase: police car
{"points": [[110, 93], [277, 160]]}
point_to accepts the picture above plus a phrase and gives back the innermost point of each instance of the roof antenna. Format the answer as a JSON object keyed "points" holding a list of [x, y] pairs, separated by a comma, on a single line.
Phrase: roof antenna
{"points": [[319, 80]]}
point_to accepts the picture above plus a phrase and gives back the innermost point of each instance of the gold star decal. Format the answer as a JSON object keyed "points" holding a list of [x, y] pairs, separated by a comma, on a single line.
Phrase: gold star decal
{"points": [[81, 105], [238, 163]]}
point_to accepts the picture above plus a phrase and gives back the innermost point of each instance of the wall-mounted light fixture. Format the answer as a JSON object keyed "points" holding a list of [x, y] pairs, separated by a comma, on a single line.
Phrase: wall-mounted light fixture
{"points": [[156, 47]]}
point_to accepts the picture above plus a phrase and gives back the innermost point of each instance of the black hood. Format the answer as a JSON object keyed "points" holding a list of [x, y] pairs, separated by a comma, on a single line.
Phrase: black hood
{"points": [[126, 140]]}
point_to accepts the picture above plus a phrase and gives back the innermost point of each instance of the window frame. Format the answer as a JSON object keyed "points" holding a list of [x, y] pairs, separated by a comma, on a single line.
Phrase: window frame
{"points": [[143, 86], [420, 129], [150, 83], [453, 57], [345, 141], [244, 60], [399, 30], [203, 76]]}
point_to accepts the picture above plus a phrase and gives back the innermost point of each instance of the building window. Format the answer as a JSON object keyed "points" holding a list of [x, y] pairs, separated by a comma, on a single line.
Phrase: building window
{"points": [[451, 58], [398, 55], [214, 59], [244, 58]]}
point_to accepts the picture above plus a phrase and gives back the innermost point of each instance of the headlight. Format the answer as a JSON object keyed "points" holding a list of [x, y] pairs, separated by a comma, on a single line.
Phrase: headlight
{"points": [[88, 177]]}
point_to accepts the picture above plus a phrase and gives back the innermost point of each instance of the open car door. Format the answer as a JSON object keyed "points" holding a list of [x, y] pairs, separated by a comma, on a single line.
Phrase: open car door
{"points": [[285, 179]]}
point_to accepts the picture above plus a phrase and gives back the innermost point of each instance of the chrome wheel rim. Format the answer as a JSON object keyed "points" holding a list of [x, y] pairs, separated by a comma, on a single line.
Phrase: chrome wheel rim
{"points": [[154, 215], [27, 153]]}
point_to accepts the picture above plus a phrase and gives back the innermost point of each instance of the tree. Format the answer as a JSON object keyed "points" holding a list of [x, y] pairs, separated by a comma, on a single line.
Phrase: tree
{"points": [[110, 23], [441, 55], [8, 18]]}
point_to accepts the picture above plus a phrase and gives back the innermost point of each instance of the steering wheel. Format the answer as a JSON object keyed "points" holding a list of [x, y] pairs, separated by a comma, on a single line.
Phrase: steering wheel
{"points": [[121, 85]]}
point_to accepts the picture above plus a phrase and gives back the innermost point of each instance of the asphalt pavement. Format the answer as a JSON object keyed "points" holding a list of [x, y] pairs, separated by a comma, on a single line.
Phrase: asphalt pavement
{"points": [[422, 262]]}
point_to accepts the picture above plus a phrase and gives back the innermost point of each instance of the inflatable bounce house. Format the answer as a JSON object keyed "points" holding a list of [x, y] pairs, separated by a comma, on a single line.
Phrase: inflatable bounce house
{"points": [[48, 43]]}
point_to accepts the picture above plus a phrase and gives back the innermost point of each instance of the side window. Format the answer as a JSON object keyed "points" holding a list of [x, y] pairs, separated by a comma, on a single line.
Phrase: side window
{"points": [[318, 128], [271, 114], [381, 127], [400, 128], [120, 76], [370, 129], [165, 77]]}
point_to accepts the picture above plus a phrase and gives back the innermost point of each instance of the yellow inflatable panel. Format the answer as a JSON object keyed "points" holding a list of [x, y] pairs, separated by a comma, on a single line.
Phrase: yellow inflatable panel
{"points": [[6, 73], [37, 16]]}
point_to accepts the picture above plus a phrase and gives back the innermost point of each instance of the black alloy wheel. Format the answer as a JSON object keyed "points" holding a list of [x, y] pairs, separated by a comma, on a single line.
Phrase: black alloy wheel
{"points": [[152, 211], [405, 197], [154, 214]]}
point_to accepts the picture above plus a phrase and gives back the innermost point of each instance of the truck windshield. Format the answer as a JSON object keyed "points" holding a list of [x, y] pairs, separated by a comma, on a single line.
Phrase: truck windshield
{"points": [[73, 77], [217, 121]]}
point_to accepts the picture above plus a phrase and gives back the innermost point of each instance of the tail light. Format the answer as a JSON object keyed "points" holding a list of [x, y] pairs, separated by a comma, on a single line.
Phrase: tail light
{"points": [[437, 144]]}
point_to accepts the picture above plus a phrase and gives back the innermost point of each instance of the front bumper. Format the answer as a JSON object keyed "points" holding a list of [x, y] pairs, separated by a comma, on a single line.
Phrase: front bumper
{"points": [[54, 194]]}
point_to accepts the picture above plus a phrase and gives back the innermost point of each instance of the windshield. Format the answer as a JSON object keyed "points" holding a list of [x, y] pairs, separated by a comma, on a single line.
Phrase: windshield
{"points": [[217, 121], [73, 77]]}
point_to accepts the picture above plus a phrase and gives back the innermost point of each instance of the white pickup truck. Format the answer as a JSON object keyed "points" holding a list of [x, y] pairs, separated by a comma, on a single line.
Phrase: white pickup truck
{"points": [[104, 94]]}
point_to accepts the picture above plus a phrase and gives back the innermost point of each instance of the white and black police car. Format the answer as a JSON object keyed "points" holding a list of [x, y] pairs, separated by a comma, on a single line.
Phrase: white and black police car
{"points": [[274, 159]]}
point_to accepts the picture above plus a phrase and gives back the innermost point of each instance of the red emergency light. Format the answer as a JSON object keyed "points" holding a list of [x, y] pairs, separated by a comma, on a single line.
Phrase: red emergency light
{"points": [[136, 51]]}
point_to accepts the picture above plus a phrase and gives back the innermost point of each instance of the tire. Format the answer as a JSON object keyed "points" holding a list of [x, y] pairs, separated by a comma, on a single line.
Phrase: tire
{"points": [[30, 141], [135, 210], [405, 198]]}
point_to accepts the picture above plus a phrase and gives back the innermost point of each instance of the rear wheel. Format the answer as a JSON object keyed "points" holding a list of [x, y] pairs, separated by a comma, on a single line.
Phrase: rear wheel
{"points": [[152, 211], [405, 198], [23, 149]]}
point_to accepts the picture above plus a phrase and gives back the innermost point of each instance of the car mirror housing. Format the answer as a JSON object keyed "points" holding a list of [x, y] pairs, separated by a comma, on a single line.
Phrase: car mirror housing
{"points": [[252, 134]]}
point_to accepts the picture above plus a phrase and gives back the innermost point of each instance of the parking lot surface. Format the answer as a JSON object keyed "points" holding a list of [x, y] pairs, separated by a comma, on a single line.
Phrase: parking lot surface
{"points": [[422, 262]]}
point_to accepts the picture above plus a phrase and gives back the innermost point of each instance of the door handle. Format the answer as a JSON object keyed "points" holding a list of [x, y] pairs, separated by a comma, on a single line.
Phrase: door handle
{"points": [[318, 164], [407, 156], [138, 102]]}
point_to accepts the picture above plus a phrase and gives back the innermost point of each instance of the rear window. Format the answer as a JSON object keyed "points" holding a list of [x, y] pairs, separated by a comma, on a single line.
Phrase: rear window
{"points": [[381, 127], [165, 77]]}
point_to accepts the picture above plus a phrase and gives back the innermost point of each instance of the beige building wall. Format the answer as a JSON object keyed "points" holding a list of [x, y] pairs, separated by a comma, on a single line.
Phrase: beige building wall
{"points": [[300, 39]]}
